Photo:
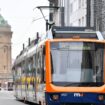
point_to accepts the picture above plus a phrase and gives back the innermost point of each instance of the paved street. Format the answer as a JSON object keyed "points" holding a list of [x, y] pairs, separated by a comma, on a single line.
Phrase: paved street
{"points": [[7, 98]]}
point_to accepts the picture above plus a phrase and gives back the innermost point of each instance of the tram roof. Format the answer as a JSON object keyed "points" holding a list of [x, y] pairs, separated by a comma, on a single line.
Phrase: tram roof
{"points": [[61, 32], [28, 52], [70, 32]]}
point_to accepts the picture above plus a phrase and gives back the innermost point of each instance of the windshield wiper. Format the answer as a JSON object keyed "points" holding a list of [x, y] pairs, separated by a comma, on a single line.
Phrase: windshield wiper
{"points": [[85, 84], [71, 84]]}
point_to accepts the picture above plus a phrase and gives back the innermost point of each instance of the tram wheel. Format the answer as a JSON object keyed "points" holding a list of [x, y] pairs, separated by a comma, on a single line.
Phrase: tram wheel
{"points": [[24, 100]]}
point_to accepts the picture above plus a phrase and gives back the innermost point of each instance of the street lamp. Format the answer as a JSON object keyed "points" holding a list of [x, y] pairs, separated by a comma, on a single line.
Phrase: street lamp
{"points": [[49, 23]]}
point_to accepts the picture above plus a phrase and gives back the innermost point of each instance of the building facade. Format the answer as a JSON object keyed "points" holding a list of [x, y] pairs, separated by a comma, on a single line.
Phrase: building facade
{"points": [[99, 15], [70, 13], [89, 13], [5, 52], [75, 12], [57, 15]]}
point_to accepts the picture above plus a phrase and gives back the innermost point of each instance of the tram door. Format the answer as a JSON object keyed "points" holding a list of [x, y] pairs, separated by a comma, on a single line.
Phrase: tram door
{"points": [[40, 86], [31, 80]]}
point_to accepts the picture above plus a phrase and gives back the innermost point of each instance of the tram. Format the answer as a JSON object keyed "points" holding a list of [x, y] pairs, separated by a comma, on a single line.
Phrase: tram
{"points": [[67, 68]]}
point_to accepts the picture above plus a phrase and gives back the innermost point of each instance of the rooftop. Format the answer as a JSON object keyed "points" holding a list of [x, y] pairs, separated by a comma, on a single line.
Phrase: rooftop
{"points": [[3, 22]]}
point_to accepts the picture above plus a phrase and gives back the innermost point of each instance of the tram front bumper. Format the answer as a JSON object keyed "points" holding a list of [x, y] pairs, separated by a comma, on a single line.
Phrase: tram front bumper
{"points": [[75, 98]]}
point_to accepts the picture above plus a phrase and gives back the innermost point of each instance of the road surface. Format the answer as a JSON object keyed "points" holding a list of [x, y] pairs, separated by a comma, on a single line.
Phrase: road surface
{"points": [[7, 98]]}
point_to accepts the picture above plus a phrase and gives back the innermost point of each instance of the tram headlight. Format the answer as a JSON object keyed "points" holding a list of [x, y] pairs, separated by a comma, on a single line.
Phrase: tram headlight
{"points": [[101, 97], [55, 97]]}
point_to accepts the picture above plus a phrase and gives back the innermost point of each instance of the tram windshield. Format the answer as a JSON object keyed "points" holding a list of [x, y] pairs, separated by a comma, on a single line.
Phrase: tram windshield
{"points": [[77, 63]]}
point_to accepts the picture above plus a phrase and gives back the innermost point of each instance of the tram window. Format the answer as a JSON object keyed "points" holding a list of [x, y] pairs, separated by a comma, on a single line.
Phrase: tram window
{"points": [[43, 65], [98, 70], [37, 63], [40, 64], [38, 60], [44, 50], [23, 68], [43, 69], [19, 70], [35, 60], [30, 66]]}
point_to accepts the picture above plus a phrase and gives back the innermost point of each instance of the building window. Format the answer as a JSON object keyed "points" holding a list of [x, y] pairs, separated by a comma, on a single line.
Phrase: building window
{"points": [[75, 5], [62, 3], [79, 4], [4, 67], [79, 21], [4, 50], [85, 20], [71, 24], [82, 21], [71, 7]]}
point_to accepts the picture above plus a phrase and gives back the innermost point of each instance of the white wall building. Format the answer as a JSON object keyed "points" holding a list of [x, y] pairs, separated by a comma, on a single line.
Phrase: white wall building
{"points": [[75, 12], [71, 12]]}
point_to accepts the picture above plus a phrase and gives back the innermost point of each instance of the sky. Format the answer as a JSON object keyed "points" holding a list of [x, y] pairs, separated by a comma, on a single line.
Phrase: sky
{"points": [[22, 16]]}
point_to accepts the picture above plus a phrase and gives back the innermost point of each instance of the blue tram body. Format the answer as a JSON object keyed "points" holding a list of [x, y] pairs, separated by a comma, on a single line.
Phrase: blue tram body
{"points": [[75, 98]]}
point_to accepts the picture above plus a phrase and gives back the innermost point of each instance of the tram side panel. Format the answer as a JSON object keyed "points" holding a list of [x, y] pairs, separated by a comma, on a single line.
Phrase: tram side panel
{"points": [[30, 80], [40, 72], [18, 86]]}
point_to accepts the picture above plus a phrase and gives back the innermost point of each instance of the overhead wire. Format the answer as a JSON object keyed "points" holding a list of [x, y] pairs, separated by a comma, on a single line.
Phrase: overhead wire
{"points": [[28, 29]]}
